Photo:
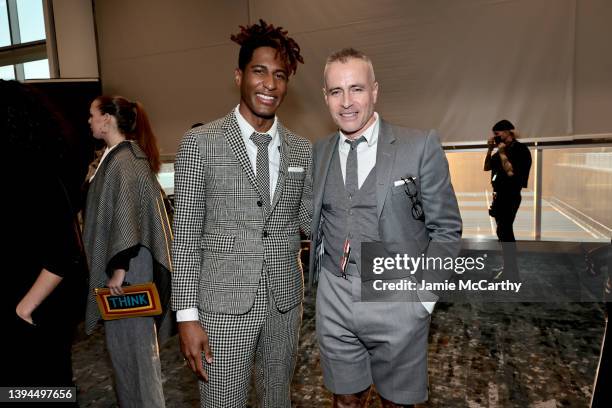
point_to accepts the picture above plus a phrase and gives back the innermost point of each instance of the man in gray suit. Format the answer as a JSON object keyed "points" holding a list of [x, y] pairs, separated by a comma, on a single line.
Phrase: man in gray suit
{"points": [[243, 190], [375, 182]]}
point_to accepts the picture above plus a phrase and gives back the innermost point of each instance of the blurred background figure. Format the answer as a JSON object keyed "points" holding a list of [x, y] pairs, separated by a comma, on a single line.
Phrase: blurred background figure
{"points": [[127, 241], [509, 167], [44, 280]]}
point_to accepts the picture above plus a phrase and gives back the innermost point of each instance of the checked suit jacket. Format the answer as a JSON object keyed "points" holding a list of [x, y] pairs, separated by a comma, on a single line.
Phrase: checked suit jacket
{"points": [[223, 238]]}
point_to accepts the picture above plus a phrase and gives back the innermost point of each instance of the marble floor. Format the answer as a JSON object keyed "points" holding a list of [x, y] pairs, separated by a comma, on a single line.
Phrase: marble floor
{"points": [[480, 355]]}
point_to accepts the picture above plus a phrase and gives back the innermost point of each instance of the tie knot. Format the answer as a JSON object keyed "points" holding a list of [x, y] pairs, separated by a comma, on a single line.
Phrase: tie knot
{"points": [[354, 143], [261, 139]]}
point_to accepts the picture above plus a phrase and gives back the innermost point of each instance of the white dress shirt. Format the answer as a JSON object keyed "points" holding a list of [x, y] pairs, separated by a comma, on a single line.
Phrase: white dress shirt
{"points": [[246, 131], [366, 152], [251, 148]]}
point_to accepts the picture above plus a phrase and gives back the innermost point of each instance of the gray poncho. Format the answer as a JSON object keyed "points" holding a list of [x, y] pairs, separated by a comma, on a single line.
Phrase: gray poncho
{"points": [[125, 209]]}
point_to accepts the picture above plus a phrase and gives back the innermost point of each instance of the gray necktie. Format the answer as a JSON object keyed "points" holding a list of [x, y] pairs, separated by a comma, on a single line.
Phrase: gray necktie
{"points": [[262, 140], [351, 181]]}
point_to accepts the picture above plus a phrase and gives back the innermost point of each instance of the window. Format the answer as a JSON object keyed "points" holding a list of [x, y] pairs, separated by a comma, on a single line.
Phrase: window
{"points": [[5, 34], [7, 72], [31, 20], [23, 45]]}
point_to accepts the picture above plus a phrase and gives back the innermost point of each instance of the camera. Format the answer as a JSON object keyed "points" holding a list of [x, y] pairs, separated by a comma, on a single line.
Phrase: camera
{"points": [[497, 140]]}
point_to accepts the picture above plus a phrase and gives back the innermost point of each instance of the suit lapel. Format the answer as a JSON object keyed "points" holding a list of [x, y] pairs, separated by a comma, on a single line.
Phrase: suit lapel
{"points": [[234, 139], [285, 151], [385, 159], [322, 169]]}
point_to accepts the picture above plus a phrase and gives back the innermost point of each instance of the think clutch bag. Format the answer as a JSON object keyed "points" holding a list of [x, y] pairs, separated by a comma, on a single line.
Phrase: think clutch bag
{"points": [[137, 300]]}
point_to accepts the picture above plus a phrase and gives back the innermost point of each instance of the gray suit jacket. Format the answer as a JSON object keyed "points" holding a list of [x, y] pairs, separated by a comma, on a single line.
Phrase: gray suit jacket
{"points": [[401, 152], [222, 237]]}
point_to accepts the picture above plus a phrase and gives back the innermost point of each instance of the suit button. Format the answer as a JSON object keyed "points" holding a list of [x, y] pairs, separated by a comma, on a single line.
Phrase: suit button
{"points": [[259, 203], [265, 234]]}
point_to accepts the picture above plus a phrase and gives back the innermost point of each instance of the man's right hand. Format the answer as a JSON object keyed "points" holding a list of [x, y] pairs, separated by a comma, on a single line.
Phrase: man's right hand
{"points": [[491, 142], [194, 341]]}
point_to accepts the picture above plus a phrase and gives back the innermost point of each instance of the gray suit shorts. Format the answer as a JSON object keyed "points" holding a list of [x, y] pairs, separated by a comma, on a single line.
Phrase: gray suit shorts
{"points": [[364, 343]]}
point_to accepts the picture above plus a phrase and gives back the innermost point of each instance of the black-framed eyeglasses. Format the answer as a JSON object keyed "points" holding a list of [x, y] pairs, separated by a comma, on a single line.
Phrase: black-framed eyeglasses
{"points": [[412, 193]]}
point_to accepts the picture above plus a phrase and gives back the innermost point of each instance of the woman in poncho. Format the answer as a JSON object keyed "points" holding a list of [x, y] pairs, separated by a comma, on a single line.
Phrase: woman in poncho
{"points": [[127, 240]]}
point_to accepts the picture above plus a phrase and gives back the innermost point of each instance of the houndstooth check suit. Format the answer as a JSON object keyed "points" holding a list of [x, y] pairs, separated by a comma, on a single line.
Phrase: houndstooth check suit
{"points": [[232, 258]]}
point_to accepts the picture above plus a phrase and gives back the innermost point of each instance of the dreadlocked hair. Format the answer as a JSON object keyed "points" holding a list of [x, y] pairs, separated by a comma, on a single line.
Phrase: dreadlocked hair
{"points": [[263, 34]]}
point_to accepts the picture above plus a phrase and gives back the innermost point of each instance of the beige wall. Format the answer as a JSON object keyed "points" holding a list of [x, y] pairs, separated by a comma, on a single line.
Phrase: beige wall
{"points": [[593, 86], [458, 66], [75, 39], [174, 57]]}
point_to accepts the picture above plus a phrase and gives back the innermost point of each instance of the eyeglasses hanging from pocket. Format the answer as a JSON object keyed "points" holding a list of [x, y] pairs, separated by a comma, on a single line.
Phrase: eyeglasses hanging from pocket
{"points": [[410, 188]]}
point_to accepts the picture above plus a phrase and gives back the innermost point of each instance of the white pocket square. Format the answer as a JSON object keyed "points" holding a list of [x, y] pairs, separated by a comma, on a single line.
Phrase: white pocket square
{"points": [[404, 180], [296, 169]]}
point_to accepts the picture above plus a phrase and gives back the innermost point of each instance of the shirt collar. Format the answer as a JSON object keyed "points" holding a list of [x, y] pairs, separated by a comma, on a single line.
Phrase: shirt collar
{"points": [[247, 130], [370, 134]]}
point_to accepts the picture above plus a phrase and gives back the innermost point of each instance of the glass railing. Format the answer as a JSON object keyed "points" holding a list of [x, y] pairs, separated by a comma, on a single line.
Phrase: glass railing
{"points": [[576, 195], [575, 204]]}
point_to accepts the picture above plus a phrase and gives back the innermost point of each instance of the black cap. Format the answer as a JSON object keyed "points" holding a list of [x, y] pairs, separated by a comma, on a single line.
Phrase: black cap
{"points": [[503, 125]]}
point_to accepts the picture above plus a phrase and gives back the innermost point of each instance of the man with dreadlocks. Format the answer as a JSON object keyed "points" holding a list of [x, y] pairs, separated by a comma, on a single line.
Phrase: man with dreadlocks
{"points": [[243, 191]]}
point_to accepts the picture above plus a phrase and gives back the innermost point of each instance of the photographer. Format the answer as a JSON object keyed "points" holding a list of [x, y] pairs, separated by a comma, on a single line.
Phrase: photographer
{"points": [[509, 167]]}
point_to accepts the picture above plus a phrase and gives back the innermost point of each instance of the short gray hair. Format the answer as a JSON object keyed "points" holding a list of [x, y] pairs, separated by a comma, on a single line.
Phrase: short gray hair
{"points": [[346, 54]]}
